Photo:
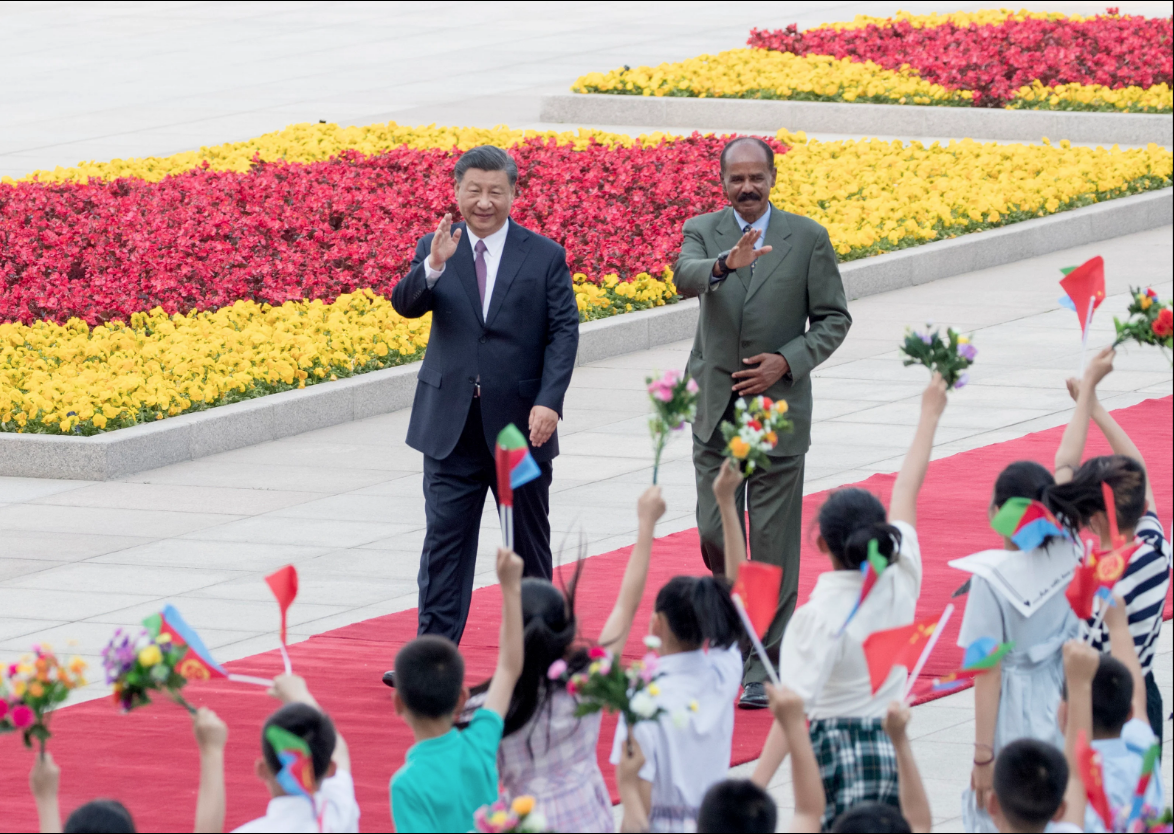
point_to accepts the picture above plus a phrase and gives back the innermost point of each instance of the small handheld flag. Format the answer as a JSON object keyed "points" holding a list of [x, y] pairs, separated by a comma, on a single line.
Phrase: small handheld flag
{"points": [[1085, 285], [928, 650], [758, 586], [754, 641], [284, 584], [981, 656], [296, 776], [1148, 763], [1093, 776], [197, 664], [1025, 522], [899, 646], [515, 467], [871, 568]]}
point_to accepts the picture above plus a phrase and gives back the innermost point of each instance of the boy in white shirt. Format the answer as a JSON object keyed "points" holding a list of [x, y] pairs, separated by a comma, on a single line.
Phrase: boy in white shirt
{"points": [[330, 805]]}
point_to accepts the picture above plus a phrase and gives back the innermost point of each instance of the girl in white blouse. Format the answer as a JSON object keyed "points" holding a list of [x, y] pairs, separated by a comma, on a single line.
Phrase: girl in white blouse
{"points": [[823, 661]]}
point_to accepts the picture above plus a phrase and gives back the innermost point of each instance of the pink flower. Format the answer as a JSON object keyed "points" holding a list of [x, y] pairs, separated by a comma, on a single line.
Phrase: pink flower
{"points": [[22, 717], [664, 394], [691, 386], [3, 708], [557, 669], [597, 652]]}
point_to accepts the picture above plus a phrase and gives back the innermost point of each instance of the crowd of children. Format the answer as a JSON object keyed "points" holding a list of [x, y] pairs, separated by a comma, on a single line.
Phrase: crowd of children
{"points": [[852, 765]]}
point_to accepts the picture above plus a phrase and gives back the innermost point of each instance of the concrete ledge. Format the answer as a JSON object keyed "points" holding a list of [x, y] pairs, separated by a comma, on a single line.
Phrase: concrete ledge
{"points": [[191, 436], [724, 114]]}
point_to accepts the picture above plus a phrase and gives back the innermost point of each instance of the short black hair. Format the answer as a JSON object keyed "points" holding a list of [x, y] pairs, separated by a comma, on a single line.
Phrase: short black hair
{"points": [[738, 806], [1030, 779], [878, 817], [310, 725], [1112, 696], [100, 816], [429, 674], [486, 158], [754, 140]]}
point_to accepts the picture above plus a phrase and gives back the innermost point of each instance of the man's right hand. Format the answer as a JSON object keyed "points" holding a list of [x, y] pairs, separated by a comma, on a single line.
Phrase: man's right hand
{"points": [[444, 243], [744, 253]]}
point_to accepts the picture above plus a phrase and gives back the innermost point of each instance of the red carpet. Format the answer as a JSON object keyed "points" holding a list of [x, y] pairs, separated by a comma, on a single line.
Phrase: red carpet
{"points": [[148, 759]]}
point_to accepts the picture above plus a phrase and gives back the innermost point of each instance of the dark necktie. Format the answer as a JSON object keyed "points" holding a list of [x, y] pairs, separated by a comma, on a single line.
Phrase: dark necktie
{"points": [[482, 270], [745, 230]]}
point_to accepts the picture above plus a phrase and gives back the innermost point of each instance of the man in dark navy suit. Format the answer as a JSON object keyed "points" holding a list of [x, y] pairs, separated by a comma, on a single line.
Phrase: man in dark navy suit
{"points": [[505, 330]]}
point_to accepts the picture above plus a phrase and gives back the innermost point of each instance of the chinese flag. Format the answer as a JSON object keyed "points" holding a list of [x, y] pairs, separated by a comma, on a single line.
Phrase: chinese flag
{"points": [[1093, 777], [758, 586], [1084, 285], [284, 584], [896, 647]]}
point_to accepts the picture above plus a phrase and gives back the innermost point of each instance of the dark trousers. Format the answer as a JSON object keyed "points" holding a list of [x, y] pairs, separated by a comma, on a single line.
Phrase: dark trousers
{"points": [[776, 520], [454, 497], [1153, 706]]}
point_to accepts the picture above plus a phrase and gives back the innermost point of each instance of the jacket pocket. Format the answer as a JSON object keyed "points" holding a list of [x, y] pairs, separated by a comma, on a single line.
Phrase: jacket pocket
{"points": [[429, 377], [529, 387]]}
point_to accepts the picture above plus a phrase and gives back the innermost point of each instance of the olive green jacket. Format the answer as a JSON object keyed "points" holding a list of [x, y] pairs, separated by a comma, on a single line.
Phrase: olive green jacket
{"points": [[795, 285]]}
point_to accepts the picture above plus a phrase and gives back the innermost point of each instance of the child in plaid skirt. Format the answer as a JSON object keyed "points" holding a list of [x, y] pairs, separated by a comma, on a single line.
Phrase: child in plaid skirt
{"points": [[822, 659]]}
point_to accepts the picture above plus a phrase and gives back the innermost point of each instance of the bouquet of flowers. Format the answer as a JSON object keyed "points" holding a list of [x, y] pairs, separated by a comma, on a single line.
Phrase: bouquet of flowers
{"points": [[674, 403], [1150, 322], [754, 432], [950, 355], [502, 816], [137, 663], [34, 685]]}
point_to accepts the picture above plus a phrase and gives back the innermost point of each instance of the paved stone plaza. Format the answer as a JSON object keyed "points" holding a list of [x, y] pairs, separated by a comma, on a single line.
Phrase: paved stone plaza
{"points": [[344, 504]]}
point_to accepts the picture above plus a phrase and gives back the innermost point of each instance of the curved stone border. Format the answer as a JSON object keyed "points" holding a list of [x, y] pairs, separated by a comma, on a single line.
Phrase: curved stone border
{"points": [[726, 114], [221, 429]]}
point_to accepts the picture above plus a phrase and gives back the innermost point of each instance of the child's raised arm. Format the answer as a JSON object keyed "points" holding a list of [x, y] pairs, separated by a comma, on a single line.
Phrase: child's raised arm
{"points": [[1119, 441], [290, 689], [510, 652], [1121, 647], [1071, 448], [649, 508], [635, 793], [211, 737], [725, 487], [787, 708], [44, 780], [1080, 666], [903, 504], [914, 803]]}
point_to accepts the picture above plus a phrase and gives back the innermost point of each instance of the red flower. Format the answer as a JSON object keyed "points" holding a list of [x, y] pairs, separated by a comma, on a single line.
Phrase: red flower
{"points": [[1164, 324], [754, 424], [596, 652]]}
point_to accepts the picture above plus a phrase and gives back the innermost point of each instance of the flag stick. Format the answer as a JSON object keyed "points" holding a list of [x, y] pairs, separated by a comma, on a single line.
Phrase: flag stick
{"points": [[749, 626], [251, 679], [1100, 618], [925, 653], [506, 516], [285, 660], [1084, 332]]}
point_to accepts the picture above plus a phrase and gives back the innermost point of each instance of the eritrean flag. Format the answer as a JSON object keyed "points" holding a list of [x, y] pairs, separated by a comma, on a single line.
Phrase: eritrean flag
{"points": [[1026, 522], [197, 663], [515, 465], [872, 568], [981, 656], [296, 776]]}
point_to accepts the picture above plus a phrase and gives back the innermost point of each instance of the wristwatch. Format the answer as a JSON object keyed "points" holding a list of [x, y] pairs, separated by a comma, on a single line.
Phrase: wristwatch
{"points": [[721, 264]]}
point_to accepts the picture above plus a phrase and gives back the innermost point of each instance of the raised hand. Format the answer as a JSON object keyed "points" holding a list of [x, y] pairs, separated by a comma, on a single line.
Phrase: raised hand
{"points": [[1100, 367], [744, 253], [725, 485], [650, 506], [444, 243]]}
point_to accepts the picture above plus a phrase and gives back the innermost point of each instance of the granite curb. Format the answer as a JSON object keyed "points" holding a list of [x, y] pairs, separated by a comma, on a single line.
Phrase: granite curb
{"points": [[726, 114], [192, 436]]}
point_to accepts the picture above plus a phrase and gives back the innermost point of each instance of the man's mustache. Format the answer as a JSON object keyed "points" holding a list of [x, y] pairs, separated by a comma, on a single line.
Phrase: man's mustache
{"points": [[749, 197]]}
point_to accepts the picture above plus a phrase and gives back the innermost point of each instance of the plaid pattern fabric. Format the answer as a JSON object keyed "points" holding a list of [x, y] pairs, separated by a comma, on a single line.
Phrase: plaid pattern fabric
{"points": [[856, 762]]}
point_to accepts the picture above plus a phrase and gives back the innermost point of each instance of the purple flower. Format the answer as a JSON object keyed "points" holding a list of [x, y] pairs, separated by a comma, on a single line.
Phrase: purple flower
{"points": [[925, 338], [962, 380], [967, 352]]}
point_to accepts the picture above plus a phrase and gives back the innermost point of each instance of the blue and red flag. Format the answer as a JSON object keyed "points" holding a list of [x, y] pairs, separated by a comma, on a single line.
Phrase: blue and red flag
{"points": [[515, 464], [1025, 522], [197, 663], [981, 656], [871, 568], [296, 776]]}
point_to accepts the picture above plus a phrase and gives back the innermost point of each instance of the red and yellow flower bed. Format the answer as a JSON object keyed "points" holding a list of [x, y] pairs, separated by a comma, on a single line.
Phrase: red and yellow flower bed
{"points": [[140, 289], [991, 58]]}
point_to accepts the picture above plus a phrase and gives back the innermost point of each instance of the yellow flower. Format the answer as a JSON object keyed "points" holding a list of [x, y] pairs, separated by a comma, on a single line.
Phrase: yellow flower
{"points": [[36, 689], [781, 406], [694, 706], [963, 340], [1144, 300], [739, 448], [522, 805], [653, 689], [150, 656], [77, 665]]}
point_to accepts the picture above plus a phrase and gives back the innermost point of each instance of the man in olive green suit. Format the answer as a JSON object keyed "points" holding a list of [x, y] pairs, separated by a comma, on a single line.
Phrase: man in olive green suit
{"points": [[772, 309]]}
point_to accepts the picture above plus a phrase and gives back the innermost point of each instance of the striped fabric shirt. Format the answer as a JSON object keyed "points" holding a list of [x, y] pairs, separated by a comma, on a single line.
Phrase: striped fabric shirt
{"points": [[1143, 586]]}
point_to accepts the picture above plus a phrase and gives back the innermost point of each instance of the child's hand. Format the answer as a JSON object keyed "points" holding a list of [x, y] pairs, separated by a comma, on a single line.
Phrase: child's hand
{"points": [[291, 689], [44, 777], [211, 732], [785, 705], [1080, 662], [897, 720], [1099, 367], [933, 399], [509, 569], [631, 760], [1074, 388], [726, 484], [650, 507]]}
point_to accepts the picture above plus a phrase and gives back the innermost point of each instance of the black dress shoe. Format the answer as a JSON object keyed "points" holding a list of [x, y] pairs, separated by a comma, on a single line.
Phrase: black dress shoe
{"points": [[389, 679], [753, 697]]}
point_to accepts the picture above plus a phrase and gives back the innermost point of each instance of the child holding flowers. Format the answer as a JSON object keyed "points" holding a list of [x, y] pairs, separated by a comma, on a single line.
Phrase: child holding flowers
{"points": [[822, 659]]}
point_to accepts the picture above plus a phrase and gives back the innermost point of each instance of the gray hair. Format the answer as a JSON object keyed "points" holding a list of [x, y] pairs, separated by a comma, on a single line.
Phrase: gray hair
{"points": [[487, 158]]}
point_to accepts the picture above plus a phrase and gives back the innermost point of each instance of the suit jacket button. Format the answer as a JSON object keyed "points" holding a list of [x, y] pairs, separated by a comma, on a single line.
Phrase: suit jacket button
{"points": [[483, 339]]}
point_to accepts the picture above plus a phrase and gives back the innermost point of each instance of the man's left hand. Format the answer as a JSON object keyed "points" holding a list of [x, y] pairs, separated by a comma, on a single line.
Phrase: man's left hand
{"points": [[771, 368], [543, 421]]}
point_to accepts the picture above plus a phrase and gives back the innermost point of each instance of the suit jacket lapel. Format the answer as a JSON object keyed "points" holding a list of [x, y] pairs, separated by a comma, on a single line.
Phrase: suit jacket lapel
{"points": [[462, 262], [777, 232], [728, 235], [512, 257]]}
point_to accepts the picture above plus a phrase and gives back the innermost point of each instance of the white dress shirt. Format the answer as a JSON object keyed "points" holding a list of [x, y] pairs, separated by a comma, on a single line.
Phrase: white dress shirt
{"points": [[494, 246]]}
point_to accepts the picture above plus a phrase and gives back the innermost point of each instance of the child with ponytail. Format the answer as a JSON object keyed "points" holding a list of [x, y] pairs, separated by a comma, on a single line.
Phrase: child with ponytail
{"points": [[1018, 597], [823, 661], [700, 671]]}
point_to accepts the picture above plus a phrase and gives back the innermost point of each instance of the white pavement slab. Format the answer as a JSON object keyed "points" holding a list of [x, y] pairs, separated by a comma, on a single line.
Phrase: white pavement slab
{"points": [[344, 503]]}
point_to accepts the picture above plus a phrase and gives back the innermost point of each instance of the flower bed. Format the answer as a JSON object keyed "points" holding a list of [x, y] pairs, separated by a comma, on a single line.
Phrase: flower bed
{"points": [[987, 59]]}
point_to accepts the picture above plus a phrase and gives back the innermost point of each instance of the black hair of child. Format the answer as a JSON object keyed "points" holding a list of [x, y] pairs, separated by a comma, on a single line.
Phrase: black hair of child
{"points": [[1082, 496], [738, 806], [100, 816], [1031, 480], [849, 519], [699, 609], [310, 725], [429, 674], [878, 817], [1030, 779], [1112, 696]]}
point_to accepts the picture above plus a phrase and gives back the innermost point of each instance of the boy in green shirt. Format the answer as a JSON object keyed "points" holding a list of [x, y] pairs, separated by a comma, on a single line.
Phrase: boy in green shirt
{"points": [[448, 773]]}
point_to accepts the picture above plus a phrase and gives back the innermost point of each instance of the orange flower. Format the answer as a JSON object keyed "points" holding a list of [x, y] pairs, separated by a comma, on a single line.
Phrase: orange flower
{"points": [[36, 689], [739, 448], [781, 406]]}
